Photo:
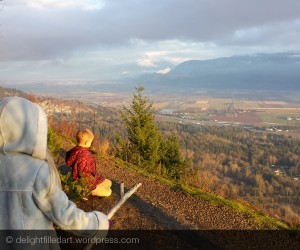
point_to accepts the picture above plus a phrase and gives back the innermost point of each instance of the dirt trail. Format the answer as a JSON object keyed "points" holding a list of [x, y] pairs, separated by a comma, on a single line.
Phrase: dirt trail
{"points": [[164, 218]]}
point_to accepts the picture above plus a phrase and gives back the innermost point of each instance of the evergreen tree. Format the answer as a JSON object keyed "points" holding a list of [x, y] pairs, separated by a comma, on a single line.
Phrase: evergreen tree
{"points": [[171, 158], [143, 143]]}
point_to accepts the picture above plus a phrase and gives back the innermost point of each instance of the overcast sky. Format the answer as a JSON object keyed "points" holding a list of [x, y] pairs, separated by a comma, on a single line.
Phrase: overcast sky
{"points": [[102, 40]]}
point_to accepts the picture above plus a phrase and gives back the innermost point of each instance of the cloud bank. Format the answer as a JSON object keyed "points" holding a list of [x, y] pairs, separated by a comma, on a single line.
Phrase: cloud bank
{"points": [[58, 38]]}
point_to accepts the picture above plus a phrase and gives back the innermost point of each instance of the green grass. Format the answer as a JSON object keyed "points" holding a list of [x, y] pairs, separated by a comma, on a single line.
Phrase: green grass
{"points": [[237, 206]]}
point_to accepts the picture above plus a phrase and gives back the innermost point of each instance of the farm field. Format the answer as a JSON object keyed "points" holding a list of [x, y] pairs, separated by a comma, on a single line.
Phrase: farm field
{"points": [[259, 109], [216, 109]]}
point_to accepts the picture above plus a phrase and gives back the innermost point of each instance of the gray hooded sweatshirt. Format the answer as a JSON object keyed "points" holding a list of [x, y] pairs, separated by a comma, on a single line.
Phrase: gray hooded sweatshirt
{"points": [[26, 201]]}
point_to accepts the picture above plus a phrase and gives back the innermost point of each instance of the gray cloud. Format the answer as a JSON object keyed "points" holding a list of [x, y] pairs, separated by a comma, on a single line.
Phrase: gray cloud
{"points": [[42, 33], [66, 40], [194, 19]]}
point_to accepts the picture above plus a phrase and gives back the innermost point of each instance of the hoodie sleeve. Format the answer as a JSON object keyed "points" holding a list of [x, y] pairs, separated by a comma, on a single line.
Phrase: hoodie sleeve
{"points": [[63, 212]]}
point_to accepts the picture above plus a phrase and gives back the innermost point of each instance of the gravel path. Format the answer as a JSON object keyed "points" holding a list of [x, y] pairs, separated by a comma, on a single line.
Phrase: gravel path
{"points": [[174, 220], [188, 212], [198, 223]]}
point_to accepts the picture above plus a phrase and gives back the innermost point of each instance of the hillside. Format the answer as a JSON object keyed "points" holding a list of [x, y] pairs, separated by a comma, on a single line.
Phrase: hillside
{"points": [[250, 72], [161, 210], [165, 211]]}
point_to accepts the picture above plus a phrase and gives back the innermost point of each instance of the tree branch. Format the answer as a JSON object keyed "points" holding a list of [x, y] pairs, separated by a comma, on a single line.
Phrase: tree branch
{"points": [[124, 197], [122, 200]]}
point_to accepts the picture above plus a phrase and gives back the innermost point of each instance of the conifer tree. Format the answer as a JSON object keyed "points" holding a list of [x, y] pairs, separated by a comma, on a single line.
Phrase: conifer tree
{"points": [[144, 140], [171, 158], [145, 145]]}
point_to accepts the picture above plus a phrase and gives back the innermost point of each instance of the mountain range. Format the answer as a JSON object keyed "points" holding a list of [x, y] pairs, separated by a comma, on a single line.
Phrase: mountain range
{"points": [[278, 71]]}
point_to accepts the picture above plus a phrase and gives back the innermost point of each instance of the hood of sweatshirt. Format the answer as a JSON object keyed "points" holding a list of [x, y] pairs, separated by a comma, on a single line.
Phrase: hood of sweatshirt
{"points": [[23, 127]]}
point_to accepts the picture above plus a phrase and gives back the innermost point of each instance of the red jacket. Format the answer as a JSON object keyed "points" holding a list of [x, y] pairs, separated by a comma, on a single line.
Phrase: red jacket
{"points": [[83, 163]]}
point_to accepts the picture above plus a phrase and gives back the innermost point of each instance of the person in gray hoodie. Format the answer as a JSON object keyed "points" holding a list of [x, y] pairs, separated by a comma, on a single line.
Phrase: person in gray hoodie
{"points": [[31, 197]]}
